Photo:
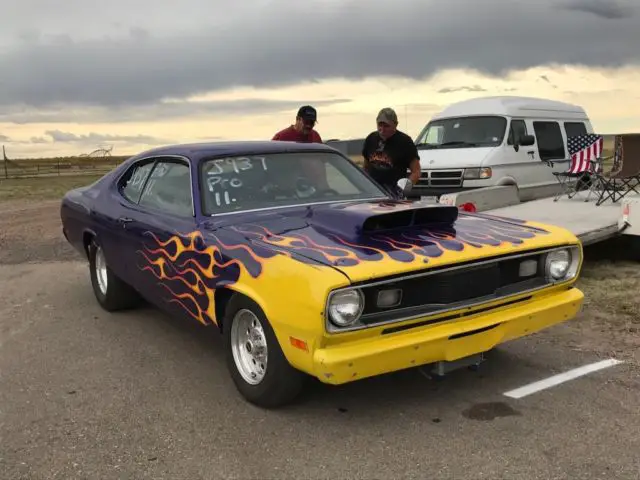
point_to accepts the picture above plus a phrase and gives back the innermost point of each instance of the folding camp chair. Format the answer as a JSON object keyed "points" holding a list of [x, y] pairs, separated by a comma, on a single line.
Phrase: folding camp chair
{"points": [[585, 154], [624, 176]]}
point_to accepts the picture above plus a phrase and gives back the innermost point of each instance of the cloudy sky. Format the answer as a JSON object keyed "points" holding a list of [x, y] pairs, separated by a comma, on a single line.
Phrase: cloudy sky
{"points": [[77, 75]]}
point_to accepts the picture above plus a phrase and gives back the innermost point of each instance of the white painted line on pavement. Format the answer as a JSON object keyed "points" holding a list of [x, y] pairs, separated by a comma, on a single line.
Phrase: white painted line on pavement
{"points": [[561, 378]]}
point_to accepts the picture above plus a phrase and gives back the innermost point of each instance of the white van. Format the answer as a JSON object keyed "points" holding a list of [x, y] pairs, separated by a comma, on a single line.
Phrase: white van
{"points": [[498, 141]]}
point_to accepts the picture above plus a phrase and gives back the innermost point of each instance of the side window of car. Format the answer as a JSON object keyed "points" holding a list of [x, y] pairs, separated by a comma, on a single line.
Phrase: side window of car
{"points": [[169, 189], [132, 182], [575, 129], [517, 130], [550, 142]]}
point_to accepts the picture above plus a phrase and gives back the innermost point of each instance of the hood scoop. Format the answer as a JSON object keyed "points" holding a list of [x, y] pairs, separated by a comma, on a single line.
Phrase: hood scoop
{"points": [[370, 218]]}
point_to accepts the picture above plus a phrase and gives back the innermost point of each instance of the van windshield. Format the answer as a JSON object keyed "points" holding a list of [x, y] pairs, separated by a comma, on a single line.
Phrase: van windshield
{"points": [[463, 132]]}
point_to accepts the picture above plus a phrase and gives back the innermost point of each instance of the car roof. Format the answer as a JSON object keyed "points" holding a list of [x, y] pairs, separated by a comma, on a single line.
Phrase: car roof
{"points": [[197, 151]]}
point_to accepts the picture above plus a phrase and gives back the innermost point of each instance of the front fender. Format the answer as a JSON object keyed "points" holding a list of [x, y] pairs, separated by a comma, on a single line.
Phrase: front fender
{"points": [[293, 297]]}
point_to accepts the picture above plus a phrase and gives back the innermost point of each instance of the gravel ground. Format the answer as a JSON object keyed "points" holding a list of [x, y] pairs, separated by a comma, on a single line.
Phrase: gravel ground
{"points": [[87, 394], [31, 232]]}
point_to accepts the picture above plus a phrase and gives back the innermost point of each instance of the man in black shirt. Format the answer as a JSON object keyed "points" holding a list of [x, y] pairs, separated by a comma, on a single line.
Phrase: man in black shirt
{"points": [[388, 153]]}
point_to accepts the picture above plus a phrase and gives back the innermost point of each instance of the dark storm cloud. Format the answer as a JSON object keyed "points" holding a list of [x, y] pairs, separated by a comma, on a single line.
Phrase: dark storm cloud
{"points": [[608, 9], [160, 111], [263, 44]]}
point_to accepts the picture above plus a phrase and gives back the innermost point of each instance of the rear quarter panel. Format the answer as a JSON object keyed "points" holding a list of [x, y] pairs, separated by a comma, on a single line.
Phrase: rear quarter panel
{"points": [[75, 217]]}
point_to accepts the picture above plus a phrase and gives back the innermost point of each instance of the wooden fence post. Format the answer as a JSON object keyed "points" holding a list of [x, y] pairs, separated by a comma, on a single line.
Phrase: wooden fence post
{"points": [[4, 156]]}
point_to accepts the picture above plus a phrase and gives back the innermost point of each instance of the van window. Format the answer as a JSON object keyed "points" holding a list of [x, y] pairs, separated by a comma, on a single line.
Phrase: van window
{"points": [[463, 132], [517, 130], [549, 139], [575, 129]]}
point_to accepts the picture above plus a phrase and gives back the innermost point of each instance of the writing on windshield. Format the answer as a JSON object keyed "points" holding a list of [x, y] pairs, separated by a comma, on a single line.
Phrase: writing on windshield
{"points": [[282, 179]]}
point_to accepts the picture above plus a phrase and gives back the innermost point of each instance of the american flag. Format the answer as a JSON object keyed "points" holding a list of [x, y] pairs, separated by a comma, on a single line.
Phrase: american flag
{"points": [[584, 149]]}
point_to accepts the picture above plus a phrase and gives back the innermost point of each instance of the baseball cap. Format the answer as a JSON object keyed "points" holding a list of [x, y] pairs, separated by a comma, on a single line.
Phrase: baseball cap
{"points": [[387, 115], [307, 112]]}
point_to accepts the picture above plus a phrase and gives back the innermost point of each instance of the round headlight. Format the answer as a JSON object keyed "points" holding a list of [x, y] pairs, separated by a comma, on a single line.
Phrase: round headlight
{"points": [[558, 264], [346, 307]]}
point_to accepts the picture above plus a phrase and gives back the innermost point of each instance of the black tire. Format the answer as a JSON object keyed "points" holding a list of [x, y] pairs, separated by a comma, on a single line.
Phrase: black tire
{"points": [[119, 295], [281, 383]]}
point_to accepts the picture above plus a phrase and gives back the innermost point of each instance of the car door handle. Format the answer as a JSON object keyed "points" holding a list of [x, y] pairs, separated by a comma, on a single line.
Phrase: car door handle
{"points": [[125, 220]]}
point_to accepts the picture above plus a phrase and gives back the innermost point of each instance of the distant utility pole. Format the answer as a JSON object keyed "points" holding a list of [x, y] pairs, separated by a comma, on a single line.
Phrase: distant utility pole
{"points": [[4, 156]]}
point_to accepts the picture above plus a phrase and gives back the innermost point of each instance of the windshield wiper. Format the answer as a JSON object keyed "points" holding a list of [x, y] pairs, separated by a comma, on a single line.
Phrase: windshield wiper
{"points": [[466, 144], [457, 143]]}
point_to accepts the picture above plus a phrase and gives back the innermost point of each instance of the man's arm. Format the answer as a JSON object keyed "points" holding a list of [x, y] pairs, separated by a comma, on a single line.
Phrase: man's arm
{"points": [[414, 166], [365, 151], [414, 163], [283, 135]]}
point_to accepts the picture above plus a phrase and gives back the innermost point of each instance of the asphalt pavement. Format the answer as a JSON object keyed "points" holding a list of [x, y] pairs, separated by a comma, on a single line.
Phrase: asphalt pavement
{"points": [[92, 395]]}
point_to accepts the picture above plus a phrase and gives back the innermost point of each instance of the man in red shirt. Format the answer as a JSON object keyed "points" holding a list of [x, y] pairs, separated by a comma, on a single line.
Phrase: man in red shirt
{"points": [[302, 131]]}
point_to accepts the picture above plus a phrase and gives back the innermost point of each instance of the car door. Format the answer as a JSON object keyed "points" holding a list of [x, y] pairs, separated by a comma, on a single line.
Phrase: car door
{"points": [[157, 229], [122, 209]]}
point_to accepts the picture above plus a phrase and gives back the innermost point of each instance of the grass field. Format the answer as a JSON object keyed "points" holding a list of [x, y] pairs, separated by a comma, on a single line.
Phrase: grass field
{"points": [[42, 188]]}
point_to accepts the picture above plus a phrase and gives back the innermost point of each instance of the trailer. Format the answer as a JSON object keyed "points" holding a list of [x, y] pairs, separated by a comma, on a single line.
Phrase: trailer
{"points": [[591, 223]]}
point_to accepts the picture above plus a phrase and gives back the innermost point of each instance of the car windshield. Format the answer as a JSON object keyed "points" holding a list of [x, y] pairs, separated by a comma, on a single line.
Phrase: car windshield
{"points": [[463, 132], [282, 179]]}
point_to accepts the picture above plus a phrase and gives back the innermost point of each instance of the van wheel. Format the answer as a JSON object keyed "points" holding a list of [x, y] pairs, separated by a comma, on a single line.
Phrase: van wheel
{"points": [[111, 292], [257, 365]]}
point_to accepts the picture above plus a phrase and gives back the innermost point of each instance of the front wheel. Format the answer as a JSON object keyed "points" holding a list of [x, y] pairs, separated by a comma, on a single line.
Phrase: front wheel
{"points": [[255, 360]]}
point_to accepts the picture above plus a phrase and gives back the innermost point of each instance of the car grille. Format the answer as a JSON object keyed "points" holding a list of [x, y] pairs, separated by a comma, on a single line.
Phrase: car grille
{"points": [[435, 292], [441, 178]]}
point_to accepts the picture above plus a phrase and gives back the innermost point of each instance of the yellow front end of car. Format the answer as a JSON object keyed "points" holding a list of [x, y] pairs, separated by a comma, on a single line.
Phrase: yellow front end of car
{"points": [[343, 308], [387, 349], [332, 342]]}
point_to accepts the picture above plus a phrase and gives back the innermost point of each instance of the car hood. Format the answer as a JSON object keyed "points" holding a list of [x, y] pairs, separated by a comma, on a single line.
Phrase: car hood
{"points": [[434, 158], [376, 239]]}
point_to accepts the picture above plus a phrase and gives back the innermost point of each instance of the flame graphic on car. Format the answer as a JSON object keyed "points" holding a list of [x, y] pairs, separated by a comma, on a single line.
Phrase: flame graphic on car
{"points": [[420, 243], [191, 267], [191, 270]]}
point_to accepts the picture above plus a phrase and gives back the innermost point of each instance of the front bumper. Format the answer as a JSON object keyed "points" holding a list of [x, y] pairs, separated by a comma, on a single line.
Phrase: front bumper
{"points": [[388, 353]]}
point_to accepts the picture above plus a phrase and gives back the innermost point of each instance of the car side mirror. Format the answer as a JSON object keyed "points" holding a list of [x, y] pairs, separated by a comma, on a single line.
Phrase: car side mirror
{"points": [[405, 185], [526, 140]]}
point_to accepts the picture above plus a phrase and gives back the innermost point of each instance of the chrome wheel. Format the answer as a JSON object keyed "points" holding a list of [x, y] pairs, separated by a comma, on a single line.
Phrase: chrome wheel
{"points": [[249, 346], [101, 270]]}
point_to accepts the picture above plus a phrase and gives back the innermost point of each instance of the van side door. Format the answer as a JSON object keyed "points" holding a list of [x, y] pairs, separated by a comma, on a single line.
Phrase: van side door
{"points": [[551, 147], [520, 162]]}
